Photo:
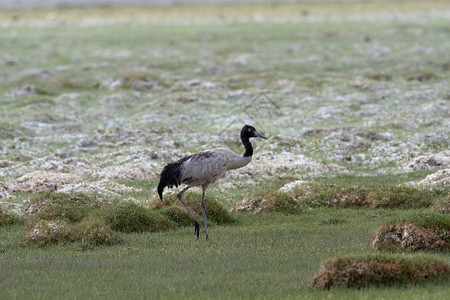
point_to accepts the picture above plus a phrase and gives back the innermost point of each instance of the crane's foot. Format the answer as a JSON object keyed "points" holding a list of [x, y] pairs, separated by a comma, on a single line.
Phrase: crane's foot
{"points": [[197, 229], [207, 237]]}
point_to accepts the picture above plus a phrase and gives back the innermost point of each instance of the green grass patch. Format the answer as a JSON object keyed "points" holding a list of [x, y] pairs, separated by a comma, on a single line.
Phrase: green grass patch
{"points": [[264, 255], [9, 218], [402, 197], [71, 208], [12, 130], [177, 214], [342, 194], [131, 217], [425, 219], [94, 231]]}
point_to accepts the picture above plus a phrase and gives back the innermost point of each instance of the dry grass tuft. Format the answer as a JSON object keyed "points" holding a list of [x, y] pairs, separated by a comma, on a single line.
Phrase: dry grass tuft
{"points": [[422, 76], [45, 233], [377, 270], [418, 232], [269, 202], [92, 231], [409, 237], [442, 206]]}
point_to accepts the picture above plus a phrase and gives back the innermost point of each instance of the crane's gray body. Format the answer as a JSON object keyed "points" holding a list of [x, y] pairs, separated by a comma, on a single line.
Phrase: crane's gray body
{"points": [[206, 167]]}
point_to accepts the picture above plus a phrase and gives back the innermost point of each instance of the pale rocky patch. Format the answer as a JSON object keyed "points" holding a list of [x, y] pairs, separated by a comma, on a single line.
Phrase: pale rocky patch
{"points": [[4, 194], [296, 188], [284, 165], [22, 91], [431, 161], [104, 187], [440, 178], [45, 232], [254, 204], [75, 165], [43, 181], [233, 185], [121, 173], [196, 84]]}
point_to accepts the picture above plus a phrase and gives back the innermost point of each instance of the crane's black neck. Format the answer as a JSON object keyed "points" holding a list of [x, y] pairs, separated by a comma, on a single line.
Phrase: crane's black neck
{"points": [[248, 146]]}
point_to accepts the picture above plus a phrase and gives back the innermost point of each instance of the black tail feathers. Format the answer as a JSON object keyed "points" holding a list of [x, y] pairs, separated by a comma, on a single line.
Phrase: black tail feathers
{"points": [[160, 189], [170, 176]]}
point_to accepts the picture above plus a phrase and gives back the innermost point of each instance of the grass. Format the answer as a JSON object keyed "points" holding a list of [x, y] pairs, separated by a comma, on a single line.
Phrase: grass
{"points": [[369, 197], [346, 192], [442, 206], [131, 217], [358, 84], [266, 255], [72, 208], [59, 218], [8, 218], [427, 220]]}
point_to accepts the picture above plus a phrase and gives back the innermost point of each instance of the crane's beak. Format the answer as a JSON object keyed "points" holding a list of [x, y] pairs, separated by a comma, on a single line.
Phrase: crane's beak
{"points": [[257, 134]]}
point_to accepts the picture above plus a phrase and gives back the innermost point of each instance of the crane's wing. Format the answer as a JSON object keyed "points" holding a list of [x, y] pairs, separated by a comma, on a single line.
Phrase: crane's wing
{"points": [[204, 167]]}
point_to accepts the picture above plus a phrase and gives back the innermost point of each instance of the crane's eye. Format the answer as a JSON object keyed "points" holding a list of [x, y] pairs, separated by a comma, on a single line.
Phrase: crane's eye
{"points": [[249, 129]]}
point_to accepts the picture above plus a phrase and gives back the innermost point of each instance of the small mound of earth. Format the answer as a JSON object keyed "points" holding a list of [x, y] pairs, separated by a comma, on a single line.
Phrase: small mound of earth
{"points": [[409, 237], [292, 188], [251, 204], [23, 91], [432, 161], [377, 270], [75, 165], [271, 202], [440, 178], [283, 165]]}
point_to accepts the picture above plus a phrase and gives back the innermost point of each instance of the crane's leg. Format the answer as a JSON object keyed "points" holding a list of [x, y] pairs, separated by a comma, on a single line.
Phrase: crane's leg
{"points": [[196, 225], [204, 213]]}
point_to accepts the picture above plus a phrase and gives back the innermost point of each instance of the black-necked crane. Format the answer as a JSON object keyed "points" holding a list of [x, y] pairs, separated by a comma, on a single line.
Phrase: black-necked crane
{"points": [[204, 168]]}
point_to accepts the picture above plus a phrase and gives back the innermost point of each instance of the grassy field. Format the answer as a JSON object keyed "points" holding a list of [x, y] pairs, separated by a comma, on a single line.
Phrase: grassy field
{"points": [[350, 94]]}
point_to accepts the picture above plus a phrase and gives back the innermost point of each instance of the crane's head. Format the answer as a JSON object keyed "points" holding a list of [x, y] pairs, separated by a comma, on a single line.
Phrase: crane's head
{"points": [[250, 131]]}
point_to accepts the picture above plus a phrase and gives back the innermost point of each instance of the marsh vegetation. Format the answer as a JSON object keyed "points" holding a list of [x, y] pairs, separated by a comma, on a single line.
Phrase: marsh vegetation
{"points": [[353, 97]]}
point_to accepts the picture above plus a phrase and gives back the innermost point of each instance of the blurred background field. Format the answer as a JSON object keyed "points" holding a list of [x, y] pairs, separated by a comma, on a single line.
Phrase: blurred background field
{"points": [[353, 96]]}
